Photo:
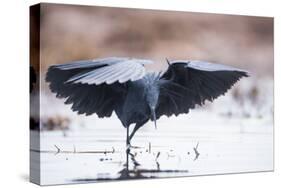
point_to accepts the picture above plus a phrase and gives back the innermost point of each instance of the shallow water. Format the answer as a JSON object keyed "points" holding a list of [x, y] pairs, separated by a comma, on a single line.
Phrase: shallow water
{"points": [[96, 151]]}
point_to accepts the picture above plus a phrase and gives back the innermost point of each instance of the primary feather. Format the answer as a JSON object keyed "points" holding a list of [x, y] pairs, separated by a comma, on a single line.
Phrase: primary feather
{"points": [[189, 83], [94, 86]]}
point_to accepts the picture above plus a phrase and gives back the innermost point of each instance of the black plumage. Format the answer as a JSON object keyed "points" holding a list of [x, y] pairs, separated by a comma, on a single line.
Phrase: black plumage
{"points": [[121, 85]]}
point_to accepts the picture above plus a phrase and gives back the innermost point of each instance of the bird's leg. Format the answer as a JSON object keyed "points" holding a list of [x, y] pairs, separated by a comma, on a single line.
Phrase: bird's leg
{"points": [[127, 159], [128, 145], [134, 131], [137, 126]]}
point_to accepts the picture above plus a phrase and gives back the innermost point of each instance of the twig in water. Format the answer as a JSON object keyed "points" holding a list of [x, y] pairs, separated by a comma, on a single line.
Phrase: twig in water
{"points": [[158, 166], [136, 147], [149, 147], [74, 149], [157, 156], [168, 155], [58, 150], [134, 160], [196, 152]]}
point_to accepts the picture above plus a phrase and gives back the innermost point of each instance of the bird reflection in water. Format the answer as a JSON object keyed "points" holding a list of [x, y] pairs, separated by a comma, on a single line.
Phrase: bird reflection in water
{"points": [[138, 173], [135, 171]]}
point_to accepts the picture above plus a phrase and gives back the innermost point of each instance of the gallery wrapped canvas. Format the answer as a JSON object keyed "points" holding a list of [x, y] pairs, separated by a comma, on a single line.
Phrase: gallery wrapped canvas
{"points": [[119, 94]]}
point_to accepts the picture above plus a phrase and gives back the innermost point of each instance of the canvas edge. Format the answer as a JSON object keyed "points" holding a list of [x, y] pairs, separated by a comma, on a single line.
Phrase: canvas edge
{"points": [[34, 60]]}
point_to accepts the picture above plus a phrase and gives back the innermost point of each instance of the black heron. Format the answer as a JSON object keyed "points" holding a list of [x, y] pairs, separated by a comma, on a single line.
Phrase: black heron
{"points": [[122, 85]]}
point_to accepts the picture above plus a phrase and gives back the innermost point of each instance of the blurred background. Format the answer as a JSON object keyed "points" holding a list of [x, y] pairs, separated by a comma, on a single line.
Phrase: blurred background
{"points": [[83, 32], [240, 123]]}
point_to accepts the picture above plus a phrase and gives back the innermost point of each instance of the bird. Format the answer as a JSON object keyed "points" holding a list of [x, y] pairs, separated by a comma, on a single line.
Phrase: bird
{"points": [[122, 85]]}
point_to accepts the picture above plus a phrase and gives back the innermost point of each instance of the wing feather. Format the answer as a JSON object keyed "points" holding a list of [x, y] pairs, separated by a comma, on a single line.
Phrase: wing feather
{"points": [[127, 76], [94, 86], [91, 63], [121, 72], [189, 83]]}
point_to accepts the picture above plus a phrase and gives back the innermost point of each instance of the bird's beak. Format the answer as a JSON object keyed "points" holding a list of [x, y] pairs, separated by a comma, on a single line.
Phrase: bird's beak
{"points": [[153, 117]]}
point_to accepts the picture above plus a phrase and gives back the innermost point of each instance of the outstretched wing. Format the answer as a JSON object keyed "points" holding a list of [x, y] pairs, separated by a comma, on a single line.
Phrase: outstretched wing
{"points": [[189, 83], [94, 86]]}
